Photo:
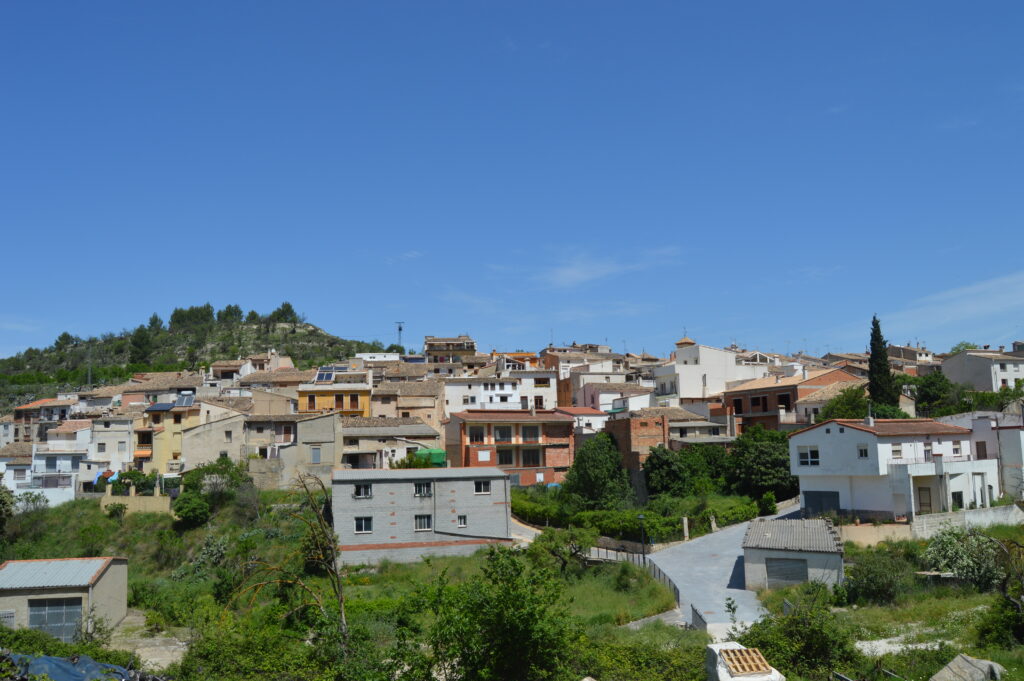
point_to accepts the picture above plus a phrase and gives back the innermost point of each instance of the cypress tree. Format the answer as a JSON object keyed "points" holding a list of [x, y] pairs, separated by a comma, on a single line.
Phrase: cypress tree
{"points": [[882, 385]]}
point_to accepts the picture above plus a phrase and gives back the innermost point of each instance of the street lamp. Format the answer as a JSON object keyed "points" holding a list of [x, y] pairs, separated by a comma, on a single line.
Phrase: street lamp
{"points": [[643, 538]]}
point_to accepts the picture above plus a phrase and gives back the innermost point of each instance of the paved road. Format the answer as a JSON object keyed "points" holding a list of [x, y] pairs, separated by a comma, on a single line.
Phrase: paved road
{"points": [[708, 570]]}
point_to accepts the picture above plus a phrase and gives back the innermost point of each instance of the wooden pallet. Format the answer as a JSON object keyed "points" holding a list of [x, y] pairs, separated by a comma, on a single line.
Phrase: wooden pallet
{"points": [[745, 661]]}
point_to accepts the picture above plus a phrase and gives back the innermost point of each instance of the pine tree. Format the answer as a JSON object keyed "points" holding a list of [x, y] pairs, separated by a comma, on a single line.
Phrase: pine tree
{"points": [[882, 385]]}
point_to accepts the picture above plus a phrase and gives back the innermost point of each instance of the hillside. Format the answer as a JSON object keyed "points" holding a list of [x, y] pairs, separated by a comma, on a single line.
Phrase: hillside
{"points": [[192, 337]]}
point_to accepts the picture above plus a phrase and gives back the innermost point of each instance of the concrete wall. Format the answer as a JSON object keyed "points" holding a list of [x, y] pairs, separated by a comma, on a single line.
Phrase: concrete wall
{"points": [[925, 526], [393, 506], [109, 596], [826, 568], [17, 600], [869, 535], [157, 503], [204, 443]]}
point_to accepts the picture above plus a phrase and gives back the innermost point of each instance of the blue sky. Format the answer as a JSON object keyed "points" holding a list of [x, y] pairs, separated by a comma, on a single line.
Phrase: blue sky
{"points": [[769, 173]]}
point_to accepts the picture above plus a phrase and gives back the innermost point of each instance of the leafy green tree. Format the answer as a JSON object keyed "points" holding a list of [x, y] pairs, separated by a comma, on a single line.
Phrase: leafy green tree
{"points": [[563, 549], [932, 391], [63, 342], [852, 403], [760, 463], [882, 384], [969, 556], [7, 507], [510, 622], [395, 347], [156, 325], [231, 314], [879, 577], [811, 641], [597, 477], [284, 313], [961, 346], [253, 317], [679, 473], [192, 509], [141, 345]]}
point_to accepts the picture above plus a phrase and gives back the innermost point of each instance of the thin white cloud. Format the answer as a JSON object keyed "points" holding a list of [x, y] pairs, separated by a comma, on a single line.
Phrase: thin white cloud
{"points": [[18, 326], [983, 306], [584, 268]]}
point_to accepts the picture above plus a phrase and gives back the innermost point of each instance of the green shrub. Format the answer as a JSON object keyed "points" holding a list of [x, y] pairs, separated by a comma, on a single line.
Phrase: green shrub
{"points": [[766, 504], [192, 509], [117, 511], [879, 577]]}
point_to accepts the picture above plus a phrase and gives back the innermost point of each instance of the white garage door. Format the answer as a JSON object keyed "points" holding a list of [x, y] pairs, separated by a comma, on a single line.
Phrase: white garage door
{"points": [[785, 571]]}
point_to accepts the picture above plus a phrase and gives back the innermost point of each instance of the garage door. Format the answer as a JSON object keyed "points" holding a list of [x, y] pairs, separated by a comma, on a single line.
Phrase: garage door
{"points": [[785, 571], [816, 503], [58, 617]]}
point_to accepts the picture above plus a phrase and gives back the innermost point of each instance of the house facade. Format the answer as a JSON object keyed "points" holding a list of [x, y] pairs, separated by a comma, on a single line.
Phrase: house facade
{"points": [[772, 401], [532, 446], [379, 442], [890, 469], [337, 389], [405, 515], [700, 371], [984, 369]]}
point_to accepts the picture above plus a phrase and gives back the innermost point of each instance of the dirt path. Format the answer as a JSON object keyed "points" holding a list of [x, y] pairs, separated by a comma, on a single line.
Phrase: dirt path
{"points": [[156, 651]]}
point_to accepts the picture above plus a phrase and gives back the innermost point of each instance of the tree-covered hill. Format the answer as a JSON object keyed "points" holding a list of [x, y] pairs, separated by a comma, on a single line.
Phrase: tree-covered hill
{"points": [[192, 337]]}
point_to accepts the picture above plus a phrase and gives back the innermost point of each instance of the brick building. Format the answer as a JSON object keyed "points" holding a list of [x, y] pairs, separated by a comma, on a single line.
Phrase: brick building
{"points": [[771, 401], [532, 446]]}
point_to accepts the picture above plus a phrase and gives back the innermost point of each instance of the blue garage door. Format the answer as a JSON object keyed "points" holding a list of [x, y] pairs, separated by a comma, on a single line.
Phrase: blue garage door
{"points": [[59, 617]]}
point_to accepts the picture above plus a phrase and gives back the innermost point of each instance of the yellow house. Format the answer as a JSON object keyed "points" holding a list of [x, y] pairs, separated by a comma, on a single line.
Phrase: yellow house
{"points": [[346, 392], [158, 434]]}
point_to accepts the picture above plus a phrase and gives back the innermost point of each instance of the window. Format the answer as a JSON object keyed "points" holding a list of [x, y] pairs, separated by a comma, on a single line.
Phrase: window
{"points": [[259, 429], [842, 430], [177, 418], [423, 523], [542, 382], [405, 414], [927, 450], [385, 400], [462, 521], [106, 424], [716, 431], [101, 447], [503, 433], [364, 525], [531, 433], [505, 457], [223, 455], [465, 399], [314, 455], [531, 457], [156, 418], [808, 456], [1002, 366], [482, 487], [227, 436], [363, 491], [19, 474], [353, 401], [956, 448], [897, 451], [311, 402], [862, 451], [122, 447], [476, 434], [422, 489], [1005, 383], [828, 431]]}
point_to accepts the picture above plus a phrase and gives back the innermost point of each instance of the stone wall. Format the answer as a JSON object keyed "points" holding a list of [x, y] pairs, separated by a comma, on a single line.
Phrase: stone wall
{"points": [[928, 524]]}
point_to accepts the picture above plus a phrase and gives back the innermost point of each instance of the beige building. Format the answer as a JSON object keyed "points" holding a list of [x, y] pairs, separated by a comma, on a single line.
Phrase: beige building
{"points": [[409, 400], [280, 448], [55, 595]]}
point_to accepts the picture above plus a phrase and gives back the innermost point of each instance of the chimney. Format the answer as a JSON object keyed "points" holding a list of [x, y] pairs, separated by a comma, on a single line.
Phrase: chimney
{"points": [[869, 421], [804, 371], [1002, 348]]}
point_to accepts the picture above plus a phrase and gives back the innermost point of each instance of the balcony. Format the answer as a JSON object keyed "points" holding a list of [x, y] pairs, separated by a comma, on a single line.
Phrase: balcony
{"points": [[934, 458]]}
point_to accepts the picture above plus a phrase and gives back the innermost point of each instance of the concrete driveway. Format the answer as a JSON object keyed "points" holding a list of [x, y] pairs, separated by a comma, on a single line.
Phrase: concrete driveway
{"points": [[708, 570]]}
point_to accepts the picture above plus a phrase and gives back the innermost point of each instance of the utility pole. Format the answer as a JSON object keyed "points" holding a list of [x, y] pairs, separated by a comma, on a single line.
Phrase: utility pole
{"points": [[400, 327]]}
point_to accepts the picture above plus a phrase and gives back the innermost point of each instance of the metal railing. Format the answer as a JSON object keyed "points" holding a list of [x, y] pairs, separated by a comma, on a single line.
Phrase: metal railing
{"points": [[638, 559]]}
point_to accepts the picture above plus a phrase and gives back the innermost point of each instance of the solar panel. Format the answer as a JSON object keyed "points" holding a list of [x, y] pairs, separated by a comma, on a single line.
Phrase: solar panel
{"points": [[324, 376], [185, 400]]}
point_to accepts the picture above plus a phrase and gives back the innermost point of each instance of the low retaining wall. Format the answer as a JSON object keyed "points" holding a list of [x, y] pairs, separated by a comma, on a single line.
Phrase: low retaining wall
{"points": [[927, 525], [157, 503], [869, 535]]}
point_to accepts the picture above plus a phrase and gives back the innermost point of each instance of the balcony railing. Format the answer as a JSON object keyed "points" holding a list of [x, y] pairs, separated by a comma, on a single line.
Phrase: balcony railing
{"points": [[933, 458]]}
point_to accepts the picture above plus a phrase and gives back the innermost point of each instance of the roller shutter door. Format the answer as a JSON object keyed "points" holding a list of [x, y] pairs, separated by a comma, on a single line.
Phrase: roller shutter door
{"points": [[58, 617], [784, 572], [816, 503]]}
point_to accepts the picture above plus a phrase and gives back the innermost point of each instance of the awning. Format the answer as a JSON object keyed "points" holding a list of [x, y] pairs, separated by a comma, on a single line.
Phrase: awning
{"points": [[143, 453]]}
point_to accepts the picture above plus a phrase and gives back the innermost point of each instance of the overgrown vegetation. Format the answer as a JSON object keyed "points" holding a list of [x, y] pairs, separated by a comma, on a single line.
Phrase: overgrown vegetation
{"points": [[195, 336]]}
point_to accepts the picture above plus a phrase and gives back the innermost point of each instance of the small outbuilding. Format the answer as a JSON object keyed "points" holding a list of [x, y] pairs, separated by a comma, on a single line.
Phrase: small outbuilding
{"points": [[57, 595], [782, 552]]}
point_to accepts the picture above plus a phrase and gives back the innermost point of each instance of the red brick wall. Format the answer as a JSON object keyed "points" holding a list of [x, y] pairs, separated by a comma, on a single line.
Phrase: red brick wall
{"points": [[636, 436]]}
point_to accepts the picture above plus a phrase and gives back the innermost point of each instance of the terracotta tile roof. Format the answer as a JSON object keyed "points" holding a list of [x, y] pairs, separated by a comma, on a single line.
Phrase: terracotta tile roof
{"points": [[241, 404], [18, 453], [671, 413], [581, 411], [72, 426], [406, 369], [36, 404], [892, 427], [107, 390], [411, 388], [7, 418], [512, 415], [831, 391], [227, 364], [770, 381], [378, 421], [280, 418], [166, 380], [280, 376], [61, 403], [621, 387]]}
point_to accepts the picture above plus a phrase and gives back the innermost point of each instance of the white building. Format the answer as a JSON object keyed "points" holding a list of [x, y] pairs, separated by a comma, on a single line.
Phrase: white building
{"points": [[481, 392], [984, 369], [538, 388], [997, 435], [890, 468], [785, 551], [699, 371]]}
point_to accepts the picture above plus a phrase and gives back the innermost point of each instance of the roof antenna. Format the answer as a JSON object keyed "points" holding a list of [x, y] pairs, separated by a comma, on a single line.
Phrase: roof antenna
{"points": [[400, 327]]}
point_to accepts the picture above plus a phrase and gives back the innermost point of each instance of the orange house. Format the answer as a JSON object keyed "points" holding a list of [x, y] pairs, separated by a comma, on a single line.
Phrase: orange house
{"points": [[347, 392]]}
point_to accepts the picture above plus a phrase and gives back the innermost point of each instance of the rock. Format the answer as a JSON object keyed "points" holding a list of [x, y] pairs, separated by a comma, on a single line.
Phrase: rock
{"points": [[967, 668]]}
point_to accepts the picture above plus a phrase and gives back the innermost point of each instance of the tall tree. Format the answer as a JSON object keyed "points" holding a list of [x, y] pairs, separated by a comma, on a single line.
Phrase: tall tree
{"points": [[597, 476], [140, 345], [882, 385], [760, 463], [155, 323]]}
